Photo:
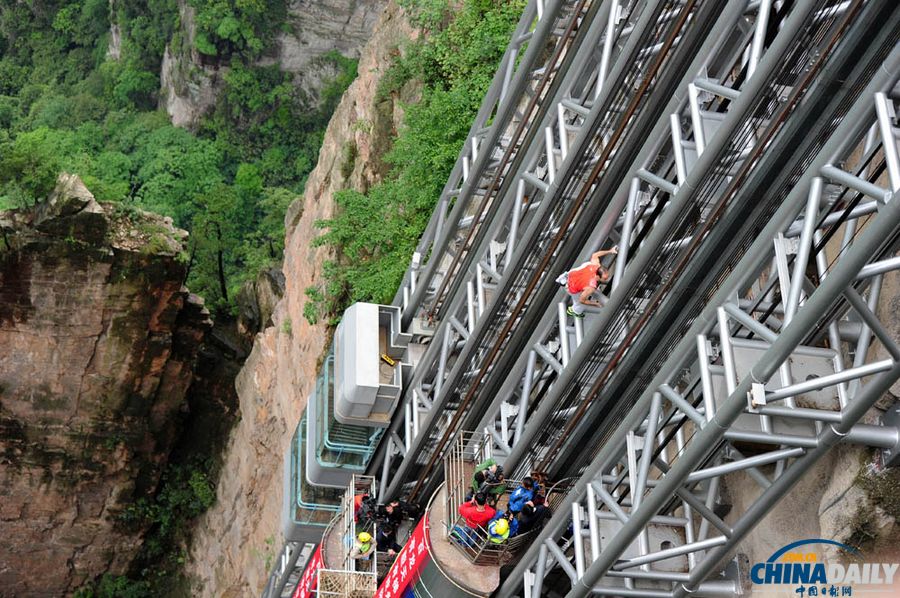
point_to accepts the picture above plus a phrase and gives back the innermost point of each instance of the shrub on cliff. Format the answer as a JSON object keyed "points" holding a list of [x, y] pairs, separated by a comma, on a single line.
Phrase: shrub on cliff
{"points": [[228, 26], [374, 234]]}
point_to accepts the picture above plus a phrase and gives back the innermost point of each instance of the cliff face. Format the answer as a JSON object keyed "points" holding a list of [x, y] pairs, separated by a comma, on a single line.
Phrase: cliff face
{"points": [[236, 540], [98, 339], [190, 84]]}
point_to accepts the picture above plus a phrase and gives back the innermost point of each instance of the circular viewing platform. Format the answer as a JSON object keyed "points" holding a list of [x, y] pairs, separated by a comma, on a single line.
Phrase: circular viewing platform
{"points": [[454, 572]]}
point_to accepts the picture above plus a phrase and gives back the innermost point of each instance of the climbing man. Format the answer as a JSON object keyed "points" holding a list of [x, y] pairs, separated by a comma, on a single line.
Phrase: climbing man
{"points": [[582, 282]]}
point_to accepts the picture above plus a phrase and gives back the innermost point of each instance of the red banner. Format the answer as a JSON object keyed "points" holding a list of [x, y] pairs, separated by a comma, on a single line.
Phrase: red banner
{"points": [[409, 562], [310, 576]]}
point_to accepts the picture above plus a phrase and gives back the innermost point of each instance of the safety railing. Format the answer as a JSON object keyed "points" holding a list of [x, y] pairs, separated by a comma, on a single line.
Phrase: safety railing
{"points": [[341, 444], [333, 583], [313, 505], [470, 449], [478, 546], [360, 485]]}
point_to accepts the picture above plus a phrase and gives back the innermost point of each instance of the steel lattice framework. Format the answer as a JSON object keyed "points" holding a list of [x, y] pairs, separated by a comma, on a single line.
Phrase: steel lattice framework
{"points": [[691, 144], [743, 157], [730, 381]]}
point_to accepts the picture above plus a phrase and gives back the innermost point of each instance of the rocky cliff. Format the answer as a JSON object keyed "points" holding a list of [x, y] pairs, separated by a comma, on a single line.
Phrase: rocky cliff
{"points": [[190, 84], [236, 540], [98, 339]]}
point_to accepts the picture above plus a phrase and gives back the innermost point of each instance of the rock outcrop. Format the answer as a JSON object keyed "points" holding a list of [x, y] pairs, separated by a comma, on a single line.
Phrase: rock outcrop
{"points": [[98, 340], [257, 300], [190, 82], [235, 541]]}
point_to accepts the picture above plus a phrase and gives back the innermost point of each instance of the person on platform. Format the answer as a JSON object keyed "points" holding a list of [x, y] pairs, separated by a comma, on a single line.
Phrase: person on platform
{"points": [[391, 513], [511, 520], [532, 517], [488, 478], [362, 548], [498, 530], [386, 539], [522, 495], [584, 280], [477, 512]]}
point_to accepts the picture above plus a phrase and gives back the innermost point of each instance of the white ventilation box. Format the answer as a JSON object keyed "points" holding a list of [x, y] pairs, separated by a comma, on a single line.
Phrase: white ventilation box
{"points": [[366, 384]]}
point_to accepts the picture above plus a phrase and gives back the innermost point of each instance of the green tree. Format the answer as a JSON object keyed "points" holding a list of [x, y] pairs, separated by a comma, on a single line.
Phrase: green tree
{"points": [[82, 22], [29, 166], [225, 27]]}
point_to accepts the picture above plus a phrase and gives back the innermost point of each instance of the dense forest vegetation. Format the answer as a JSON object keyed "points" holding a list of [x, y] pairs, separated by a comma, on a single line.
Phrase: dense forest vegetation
{"points": [[375, 234], [65, 104]]}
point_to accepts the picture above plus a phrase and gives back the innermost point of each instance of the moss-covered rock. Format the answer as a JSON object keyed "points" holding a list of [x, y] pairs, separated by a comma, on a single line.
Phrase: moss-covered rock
{"points": [[99, 341]]}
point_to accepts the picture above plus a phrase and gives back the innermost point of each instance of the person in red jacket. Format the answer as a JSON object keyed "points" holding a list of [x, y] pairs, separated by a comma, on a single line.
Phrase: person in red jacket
{"points": [[582, 281], [476, 512]]}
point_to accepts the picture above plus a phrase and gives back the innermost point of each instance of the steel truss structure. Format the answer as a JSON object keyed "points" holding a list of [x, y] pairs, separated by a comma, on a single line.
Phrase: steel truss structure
{"points": [[692, 143], [503, 334], [732, 381], [742, 155], [805, 291], [528, 226]]}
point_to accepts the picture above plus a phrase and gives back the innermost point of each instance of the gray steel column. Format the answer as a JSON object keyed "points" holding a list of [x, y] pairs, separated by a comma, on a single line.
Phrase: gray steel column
{"points": [[866, 245], [854, 124], [708, 160]]}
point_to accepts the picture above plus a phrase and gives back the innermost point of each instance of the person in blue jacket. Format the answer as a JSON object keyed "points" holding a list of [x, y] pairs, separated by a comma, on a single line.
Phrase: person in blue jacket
{"points": [[522, 495]]}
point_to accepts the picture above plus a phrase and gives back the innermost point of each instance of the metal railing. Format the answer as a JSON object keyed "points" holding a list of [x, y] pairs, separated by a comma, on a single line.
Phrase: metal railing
{"points": [[334, 583], [313, 504], [469, 449], [476, 543], [365, 486]]}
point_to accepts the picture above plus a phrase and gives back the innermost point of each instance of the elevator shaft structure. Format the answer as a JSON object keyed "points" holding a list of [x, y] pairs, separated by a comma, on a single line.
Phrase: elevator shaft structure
{"points": [[751, 372], [742, 156], [684, 133]]}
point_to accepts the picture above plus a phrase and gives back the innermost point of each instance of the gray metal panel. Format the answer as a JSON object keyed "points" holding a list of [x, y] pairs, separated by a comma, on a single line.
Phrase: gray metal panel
{"points": [[306, 533], [356, 363], [366, 388]]}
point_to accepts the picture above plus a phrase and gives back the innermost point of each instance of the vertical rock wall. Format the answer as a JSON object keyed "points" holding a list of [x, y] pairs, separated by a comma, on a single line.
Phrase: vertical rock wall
{"points": [[190, 84], [236, 540], [98, 338]]}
